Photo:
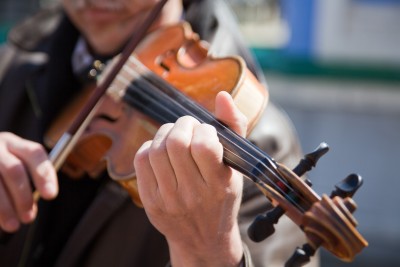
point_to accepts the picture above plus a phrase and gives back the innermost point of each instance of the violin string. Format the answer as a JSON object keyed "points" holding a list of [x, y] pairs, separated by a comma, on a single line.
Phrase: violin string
{"points": [[171, 94], [155, 112], [146, 96], [185, 111]]}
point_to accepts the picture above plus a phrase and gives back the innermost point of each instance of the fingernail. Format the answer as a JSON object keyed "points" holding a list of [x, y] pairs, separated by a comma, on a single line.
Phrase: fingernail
{"points": [[50, 189]]}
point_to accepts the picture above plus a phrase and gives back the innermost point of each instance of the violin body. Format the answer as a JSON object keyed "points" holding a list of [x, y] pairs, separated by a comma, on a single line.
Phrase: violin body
{"points": [[117, 130]]}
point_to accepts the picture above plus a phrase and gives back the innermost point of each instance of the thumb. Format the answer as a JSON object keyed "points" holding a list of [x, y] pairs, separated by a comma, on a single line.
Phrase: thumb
{"points": [[227, 112]]}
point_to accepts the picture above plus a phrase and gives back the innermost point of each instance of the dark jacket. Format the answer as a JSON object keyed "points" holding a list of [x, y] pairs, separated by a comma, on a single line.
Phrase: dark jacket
{"points": [[111, 230]]}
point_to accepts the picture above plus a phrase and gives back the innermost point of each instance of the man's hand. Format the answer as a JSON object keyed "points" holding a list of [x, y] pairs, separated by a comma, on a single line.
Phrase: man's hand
{"points": [[20, 162], [189, 194]]}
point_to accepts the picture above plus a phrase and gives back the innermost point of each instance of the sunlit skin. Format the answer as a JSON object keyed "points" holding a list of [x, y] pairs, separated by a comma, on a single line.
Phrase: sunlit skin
{"points": [[107, 24], [188, 194]]}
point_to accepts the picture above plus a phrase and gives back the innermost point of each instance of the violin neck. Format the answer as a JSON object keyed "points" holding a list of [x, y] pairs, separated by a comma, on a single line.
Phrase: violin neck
{"points": [[159, 100]]}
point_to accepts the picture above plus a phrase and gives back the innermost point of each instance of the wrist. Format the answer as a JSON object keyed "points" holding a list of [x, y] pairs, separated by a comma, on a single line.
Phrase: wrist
{"points": [[222, 251]]}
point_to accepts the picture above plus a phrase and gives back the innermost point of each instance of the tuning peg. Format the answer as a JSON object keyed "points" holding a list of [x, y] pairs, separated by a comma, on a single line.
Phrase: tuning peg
{"points": [[310, 160], [301, 256], [348, 186], [263, 225]]}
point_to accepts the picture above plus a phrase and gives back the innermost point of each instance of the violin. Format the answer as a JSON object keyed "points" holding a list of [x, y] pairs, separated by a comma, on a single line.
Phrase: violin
{"points": [[160, 83], [169, 75], [176, 54]]}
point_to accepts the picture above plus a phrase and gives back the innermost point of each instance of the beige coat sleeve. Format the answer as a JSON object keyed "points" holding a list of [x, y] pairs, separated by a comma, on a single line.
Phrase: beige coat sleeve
{"points": [[274, 134]]}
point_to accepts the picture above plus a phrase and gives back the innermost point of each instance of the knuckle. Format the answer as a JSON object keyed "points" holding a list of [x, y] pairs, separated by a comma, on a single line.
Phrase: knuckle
{"points": [[157, 152], [187, 119], [201, 148], [140, 159], [166, 126], [207, 147], [16, 171], [36, 150], [6, 135], [142, 154], [153, 204], [175, 143]]}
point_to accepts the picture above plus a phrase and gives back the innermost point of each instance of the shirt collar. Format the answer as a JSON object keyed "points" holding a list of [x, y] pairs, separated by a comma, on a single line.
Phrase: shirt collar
{"points": [[81, 57]]}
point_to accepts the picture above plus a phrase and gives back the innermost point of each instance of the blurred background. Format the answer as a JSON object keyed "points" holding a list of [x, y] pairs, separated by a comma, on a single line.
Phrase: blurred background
{"points": [[334, 67]]}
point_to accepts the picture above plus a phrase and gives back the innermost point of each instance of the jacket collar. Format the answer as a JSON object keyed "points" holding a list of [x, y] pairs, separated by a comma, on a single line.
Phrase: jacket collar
{"points": [[31, 34], [47, 56]]}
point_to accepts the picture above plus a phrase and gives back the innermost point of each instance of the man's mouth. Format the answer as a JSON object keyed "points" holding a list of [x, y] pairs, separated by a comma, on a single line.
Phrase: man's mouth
{"points": [[100, 5]]}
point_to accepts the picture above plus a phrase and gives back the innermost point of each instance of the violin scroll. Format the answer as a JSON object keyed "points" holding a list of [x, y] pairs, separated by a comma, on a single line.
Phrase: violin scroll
{"points": [[263, 225], [327, 222], [321, 225]]}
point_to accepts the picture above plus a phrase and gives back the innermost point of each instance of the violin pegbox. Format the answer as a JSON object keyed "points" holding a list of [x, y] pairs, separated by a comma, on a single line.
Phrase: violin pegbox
{"points": [[263, 225], [328, 222]]}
